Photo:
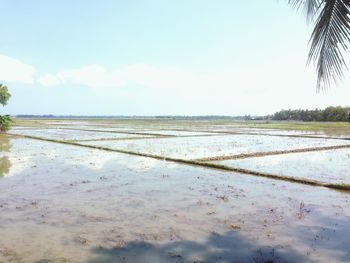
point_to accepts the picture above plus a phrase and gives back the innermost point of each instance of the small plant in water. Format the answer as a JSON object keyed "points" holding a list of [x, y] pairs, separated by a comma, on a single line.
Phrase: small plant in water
{"points": [[302, 211]]}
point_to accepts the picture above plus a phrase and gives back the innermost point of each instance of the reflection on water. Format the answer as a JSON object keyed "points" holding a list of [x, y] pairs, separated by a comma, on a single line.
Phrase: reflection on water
{"points": [[5, 163], [5, 145], [340, 132]]}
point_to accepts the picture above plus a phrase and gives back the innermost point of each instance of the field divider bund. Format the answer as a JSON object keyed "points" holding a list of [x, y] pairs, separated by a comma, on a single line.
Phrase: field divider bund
{"points": [[305, 181]]}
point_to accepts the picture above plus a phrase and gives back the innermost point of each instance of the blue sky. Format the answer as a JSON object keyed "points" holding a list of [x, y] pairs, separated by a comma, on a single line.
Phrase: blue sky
{"points": [[154, 57]]}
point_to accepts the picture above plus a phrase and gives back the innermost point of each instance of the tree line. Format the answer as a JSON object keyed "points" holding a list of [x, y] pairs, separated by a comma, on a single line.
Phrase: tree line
{"points": [[328, 114]]}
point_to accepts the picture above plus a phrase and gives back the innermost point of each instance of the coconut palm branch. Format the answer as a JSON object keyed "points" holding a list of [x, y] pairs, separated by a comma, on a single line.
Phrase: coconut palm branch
{"points": [[329, 38]]}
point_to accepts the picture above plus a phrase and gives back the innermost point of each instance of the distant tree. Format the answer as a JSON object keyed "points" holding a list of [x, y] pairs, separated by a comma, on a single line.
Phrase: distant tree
{"points": [[330, 37], [5, 120], [335, 114], [4, 95], [328, 114]]}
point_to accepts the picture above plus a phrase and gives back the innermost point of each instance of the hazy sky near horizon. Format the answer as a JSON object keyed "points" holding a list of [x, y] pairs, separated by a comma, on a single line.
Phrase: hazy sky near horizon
{"points": [[158, 57]]}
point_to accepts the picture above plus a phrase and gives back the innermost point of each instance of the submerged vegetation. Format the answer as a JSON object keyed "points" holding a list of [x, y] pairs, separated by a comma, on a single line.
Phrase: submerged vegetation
{"points": [[5, 120]]}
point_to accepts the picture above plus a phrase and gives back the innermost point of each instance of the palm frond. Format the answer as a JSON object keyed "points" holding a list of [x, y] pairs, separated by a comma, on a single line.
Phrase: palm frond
{"points": [[329, 38], [310, 7]]}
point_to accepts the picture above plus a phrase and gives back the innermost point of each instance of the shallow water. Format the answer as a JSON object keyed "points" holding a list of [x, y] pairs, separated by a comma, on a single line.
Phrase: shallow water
{"points": [[203, 147], [63, 134], [320, 133], [154, 131], [61, 203], [331, 166]]}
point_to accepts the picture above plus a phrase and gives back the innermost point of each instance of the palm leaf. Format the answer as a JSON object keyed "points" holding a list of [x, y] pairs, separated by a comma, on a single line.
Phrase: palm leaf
{"points": [[329, 38], [311, 7]]}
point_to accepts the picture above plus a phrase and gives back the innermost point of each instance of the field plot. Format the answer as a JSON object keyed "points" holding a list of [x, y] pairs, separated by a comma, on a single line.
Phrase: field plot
{"points": [[215, 146], [75, 203], [63, 134], [295, 130], [295, 133], [179, 133], [337, 134], [154, 131], [331, 166]]}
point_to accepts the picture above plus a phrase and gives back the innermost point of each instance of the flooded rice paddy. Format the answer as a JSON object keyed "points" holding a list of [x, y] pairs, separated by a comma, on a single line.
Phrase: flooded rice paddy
{"points": [[68, 203], [222, 145], [326, 166], [64, 134]]}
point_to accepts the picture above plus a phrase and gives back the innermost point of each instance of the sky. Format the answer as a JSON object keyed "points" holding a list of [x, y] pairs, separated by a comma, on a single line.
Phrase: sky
{"points": [[158, 57]]}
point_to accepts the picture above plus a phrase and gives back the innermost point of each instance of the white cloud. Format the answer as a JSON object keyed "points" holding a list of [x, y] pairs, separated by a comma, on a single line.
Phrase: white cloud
{"points": [[261, 87], [97, 76], [14, 70], [48, 80]]}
